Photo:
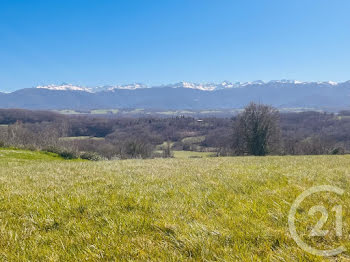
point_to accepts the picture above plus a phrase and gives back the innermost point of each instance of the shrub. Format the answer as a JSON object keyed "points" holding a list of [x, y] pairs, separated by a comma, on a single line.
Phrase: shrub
{"points": [[52, 149], [31, 147], [92, 156], [137, 148], [338, 151], [62, 152], [67, 154]]}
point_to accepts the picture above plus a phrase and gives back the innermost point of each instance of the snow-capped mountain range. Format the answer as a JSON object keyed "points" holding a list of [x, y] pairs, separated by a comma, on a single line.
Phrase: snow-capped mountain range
{"points": [[71, 87], [184, 95], [198, 86]]}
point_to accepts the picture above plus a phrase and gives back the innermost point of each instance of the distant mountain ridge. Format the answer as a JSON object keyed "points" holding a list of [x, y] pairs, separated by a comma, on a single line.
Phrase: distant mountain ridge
{"points": [[184, 95], [70, 87], [199, 86]]}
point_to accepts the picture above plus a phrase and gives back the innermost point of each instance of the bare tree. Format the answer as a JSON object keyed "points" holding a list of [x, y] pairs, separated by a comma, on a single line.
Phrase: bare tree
{"points": [[257, 130], [167, 150]]}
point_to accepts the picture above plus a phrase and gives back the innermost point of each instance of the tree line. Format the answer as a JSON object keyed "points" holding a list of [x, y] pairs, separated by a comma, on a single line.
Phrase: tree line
{"points": [[257, 130]]}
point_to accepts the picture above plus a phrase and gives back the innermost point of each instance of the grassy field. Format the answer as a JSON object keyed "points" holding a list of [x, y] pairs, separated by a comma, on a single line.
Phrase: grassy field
{"points": [[209, 209], [191, 154]]}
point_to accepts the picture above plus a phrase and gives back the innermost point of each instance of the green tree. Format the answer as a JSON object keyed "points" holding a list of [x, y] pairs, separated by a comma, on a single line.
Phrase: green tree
{"points": [[257, 130]]}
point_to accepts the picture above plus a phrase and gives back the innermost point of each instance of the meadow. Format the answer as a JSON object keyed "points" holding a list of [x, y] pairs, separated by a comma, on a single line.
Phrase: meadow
{"points": [[181, 209]]}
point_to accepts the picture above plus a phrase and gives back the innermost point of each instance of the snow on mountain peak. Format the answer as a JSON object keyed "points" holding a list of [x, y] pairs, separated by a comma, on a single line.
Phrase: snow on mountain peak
{"points": [[206, 86], [328, 83], [128, 87], [189, 85], [203, 87], [332, 83], [70, 87], [65, 87], [298, 82]]}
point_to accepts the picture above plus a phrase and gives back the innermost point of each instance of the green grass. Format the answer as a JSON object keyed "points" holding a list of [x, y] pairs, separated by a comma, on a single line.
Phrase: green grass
{"points": [[13, 155], [191, 154], [193, 140], [70, 138], [209, 209], [68, 112], [164, 145]]}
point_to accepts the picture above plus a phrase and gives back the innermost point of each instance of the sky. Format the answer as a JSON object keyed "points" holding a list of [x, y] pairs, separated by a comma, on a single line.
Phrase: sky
{"points": [[103, 42]]}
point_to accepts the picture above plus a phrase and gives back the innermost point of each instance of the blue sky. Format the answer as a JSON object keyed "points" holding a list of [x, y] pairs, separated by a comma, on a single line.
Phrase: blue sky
{"points": [[155, 42]]}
